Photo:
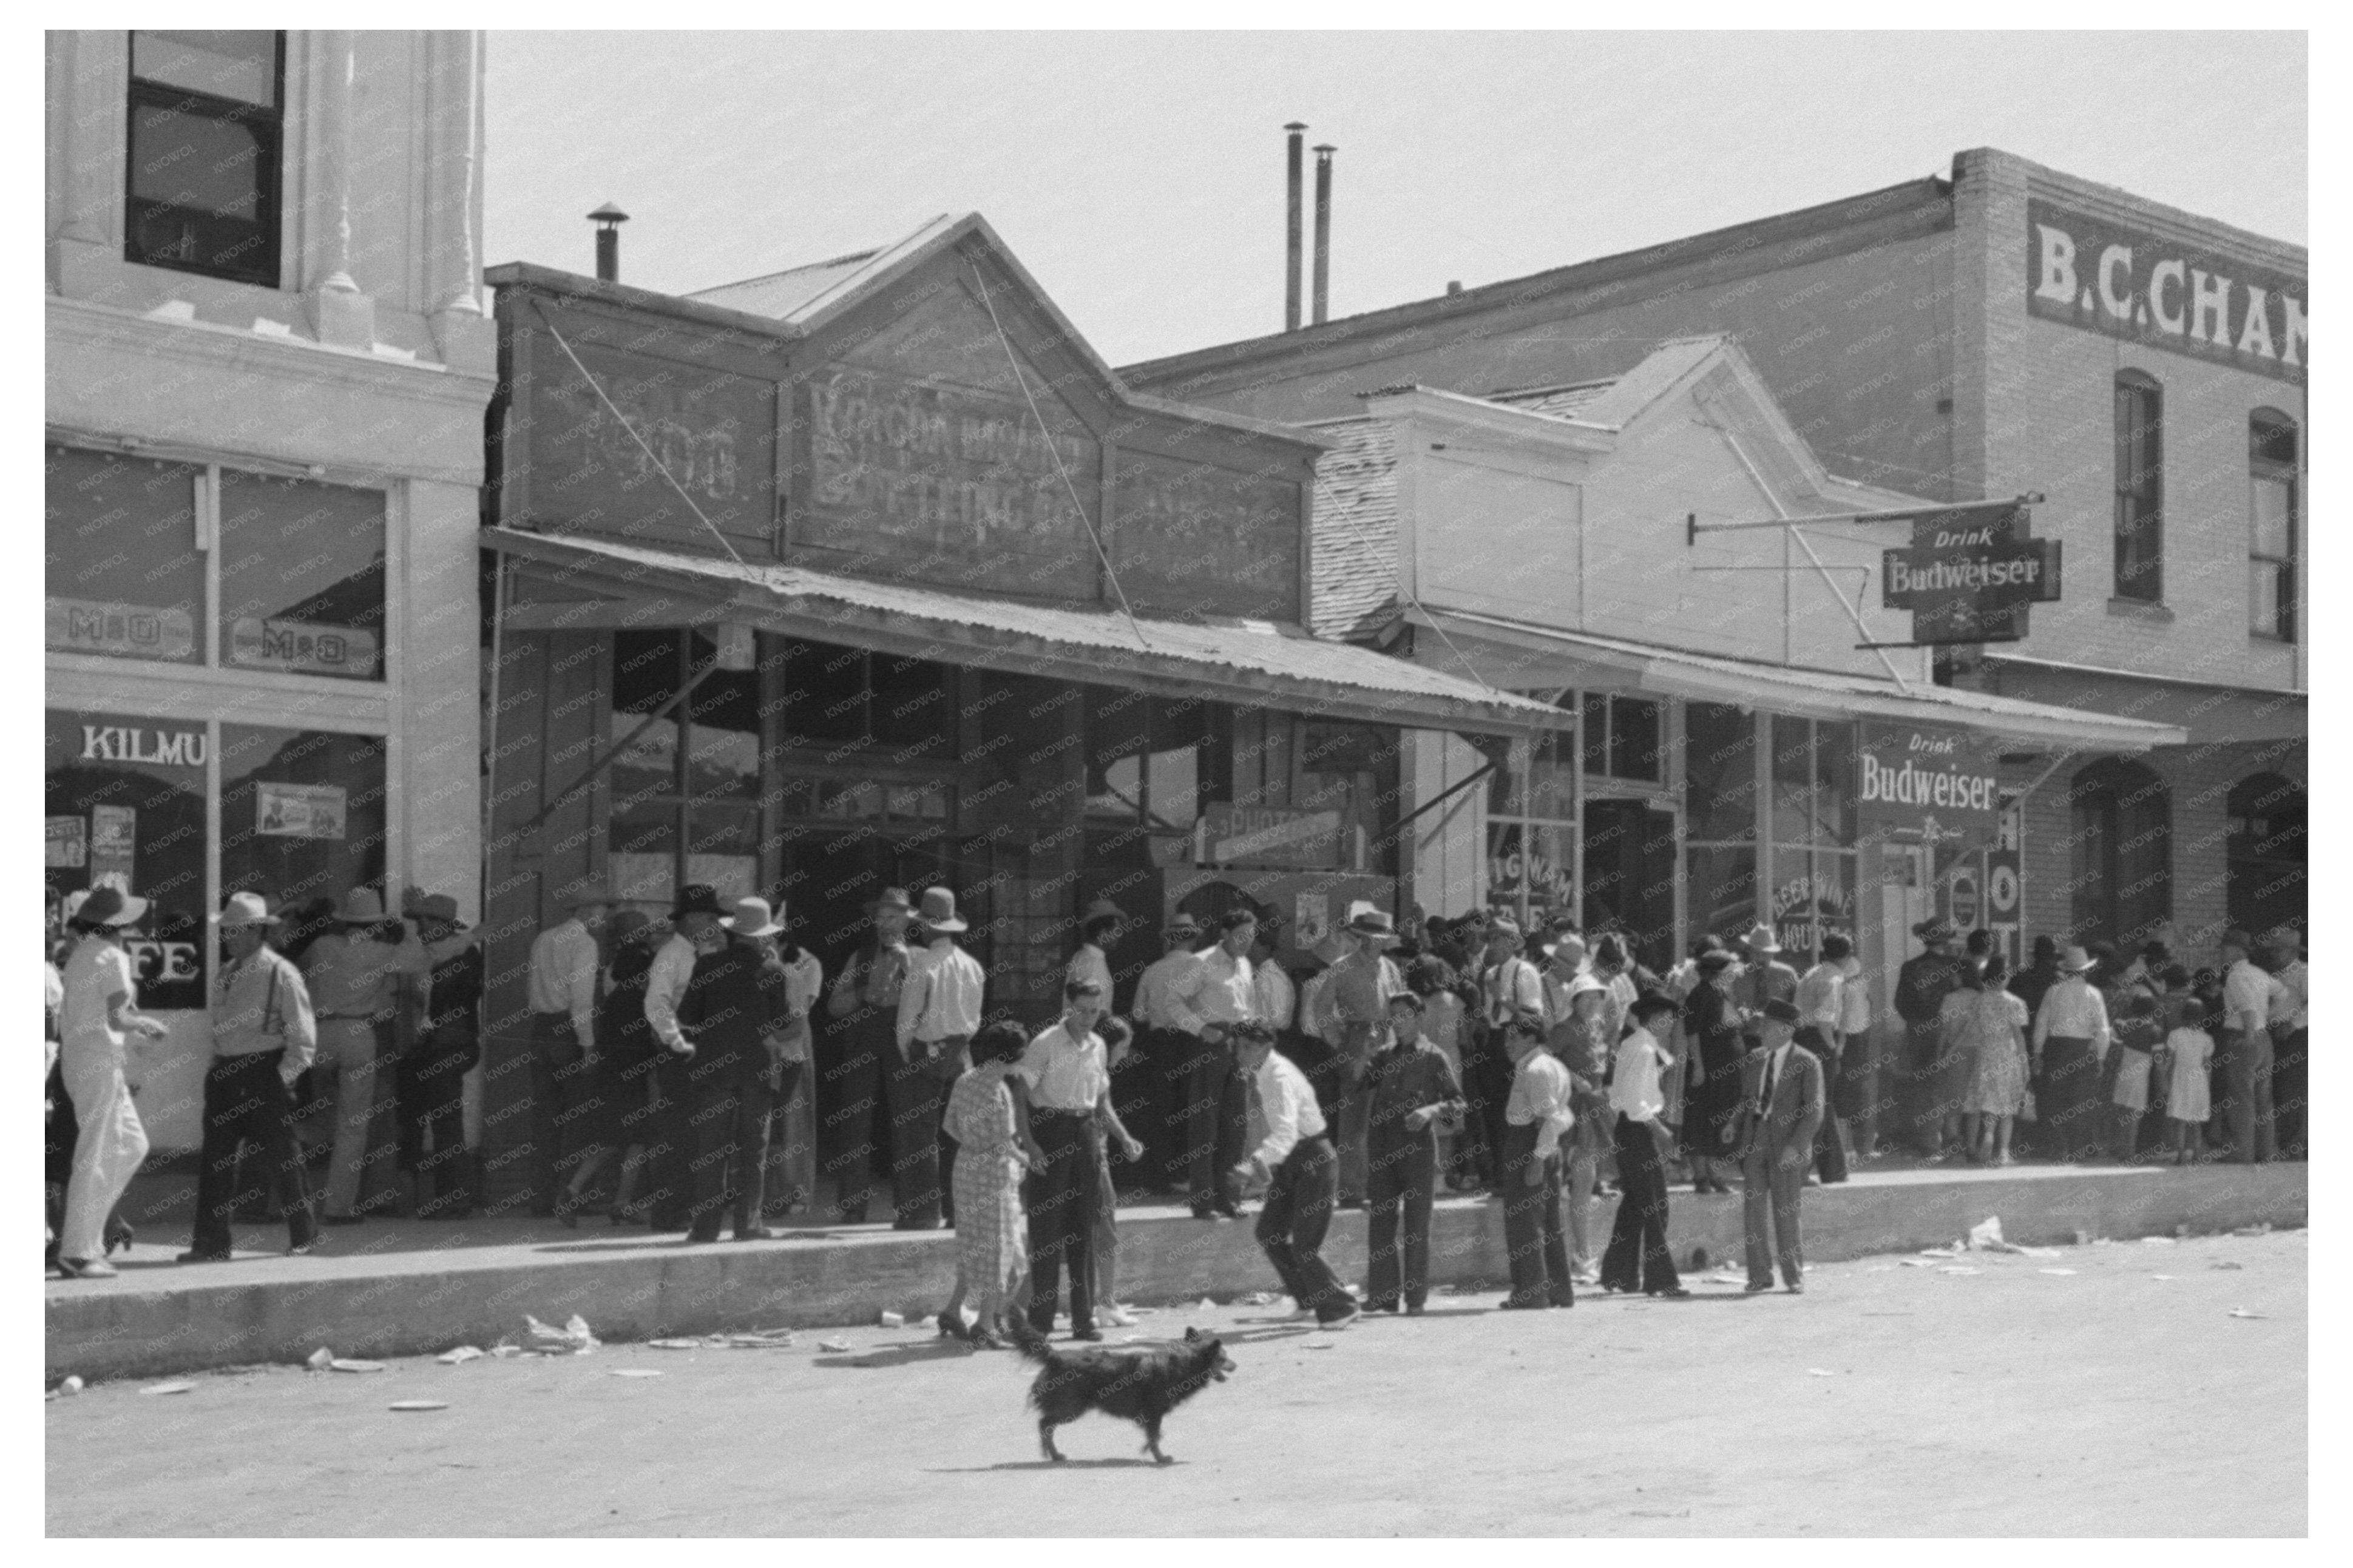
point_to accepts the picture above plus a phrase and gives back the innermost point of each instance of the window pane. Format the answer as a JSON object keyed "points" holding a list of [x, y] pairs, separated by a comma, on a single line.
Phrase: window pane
{"points": [[124, 574], [2275, 505], [645, 677], [302, 576], [1793, 780], [1834, 748], [1593, 730], [1814, 894], [1116, 731], [2139, 483], [2271, 439], [196, 162], [1720, 772], [302, 813], [1551, 789], [126, 808], [1542, 864], [722, 731], [1722, 891], [824, 693], [239, 65], [912, 715], [2263, 579], [1634, 739]]}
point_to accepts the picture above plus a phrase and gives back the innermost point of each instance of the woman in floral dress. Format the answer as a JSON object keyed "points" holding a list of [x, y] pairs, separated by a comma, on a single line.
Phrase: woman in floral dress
{"points": [[1991, 1025], [985, 1116]]}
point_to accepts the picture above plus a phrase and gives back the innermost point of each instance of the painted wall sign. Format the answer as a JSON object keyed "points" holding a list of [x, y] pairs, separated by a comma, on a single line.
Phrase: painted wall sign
{"points": [[299, 811], [1803, 909], [135, 631], [2100, 276], [1269, 835], [1195, 537], [1917, 784], [304, 648], [1969, 573], [66, 845], [714, 431], [157, 748], [957, 478]]}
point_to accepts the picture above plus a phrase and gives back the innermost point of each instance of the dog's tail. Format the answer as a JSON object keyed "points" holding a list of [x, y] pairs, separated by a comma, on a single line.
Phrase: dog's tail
{"points": [[1027, 1338]]}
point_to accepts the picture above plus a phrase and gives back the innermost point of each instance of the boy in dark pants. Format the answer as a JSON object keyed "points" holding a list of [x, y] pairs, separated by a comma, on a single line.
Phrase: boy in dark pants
{"points": [[1410, 1090], [1302, 1175], [1534, 1117], [1637, 1258]]}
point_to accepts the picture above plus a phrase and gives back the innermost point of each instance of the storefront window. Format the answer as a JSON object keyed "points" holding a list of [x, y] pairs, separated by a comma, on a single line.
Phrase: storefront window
{"points": [[684, 789], [1538, 860], [1145, 759], [723, 753], [302, 813], [124, 578], [126, 808], [834, 696], [1720, 773], [1622, 737], [302, 576], [1722, 888]]}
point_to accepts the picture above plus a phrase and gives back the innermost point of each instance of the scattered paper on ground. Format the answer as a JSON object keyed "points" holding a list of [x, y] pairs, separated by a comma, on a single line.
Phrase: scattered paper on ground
{"points": [[508, 1352], [2225, 1263], [894, 1320], [633, 1372], [836, 1346], [418, 1405], [2054, 1271], [1820, 1371], [1958, 1268], [167, 1388], [320, 1360], [676, 1344], [572, 1338], [761, 1340], [2156, 1241], [462, 1353], [2160, 1276], [342, 1363], [2235, 1312]]}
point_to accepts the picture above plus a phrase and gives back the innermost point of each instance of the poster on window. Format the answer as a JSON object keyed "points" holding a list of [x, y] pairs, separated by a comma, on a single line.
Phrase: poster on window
{"points": [[113, 844], [67, 843], [1311, 919], [299, 811]]}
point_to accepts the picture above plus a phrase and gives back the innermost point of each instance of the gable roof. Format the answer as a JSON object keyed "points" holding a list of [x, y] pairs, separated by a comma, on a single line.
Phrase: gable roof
{"points": [[779, 294]]}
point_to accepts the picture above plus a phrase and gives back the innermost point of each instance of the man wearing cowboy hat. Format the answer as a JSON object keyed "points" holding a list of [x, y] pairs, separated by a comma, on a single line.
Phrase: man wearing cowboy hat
{"points": [[2249, 996], [734, 997], [861, 1010], [2287, 1030], [262, 1037], [354, 974], [1509, 987], [562, 992], [1921, 986], [433, 1075], [1218, 992], [1164, 1046], [939, 1012], [2071, 1036], [773, 1140], [1356, 1005]]}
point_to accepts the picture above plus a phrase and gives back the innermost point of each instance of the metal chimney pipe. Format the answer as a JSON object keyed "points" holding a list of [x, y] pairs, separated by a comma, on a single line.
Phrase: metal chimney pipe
{"points": [[608, 220], [1323, 151], [1291, 232]]}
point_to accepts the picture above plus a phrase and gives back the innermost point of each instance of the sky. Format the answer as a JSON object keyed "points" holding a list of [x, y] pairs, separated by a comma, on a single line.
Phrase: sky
{"points": [[1139, 176]]}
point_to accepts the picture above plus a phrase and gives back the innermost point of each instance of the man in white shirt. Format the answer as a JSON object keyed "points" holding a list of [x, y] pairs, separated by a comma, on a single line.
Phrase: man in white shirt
{"points": [[2289, 1039], [2071, 1037], [939, 1012], [1164, 1049], [1821, 1004], [1509, 986], [562, 986], [1637, 1258], [1217, 993], [1357, 1001], [2248, 996], [1068, 1079], [1297, 1162], [1537, 1115]]}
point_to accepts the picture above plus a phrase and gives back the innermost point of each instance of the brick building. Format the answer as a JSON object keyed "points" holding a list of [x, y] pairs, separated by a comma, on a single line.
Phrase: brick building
{"points": [[2009, 330]]}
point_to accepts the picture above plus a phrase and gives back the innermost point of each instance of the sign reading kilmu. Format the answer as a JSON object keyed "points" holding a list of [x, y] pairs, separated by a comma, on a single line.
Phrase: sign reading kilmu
{"points": [[1969, 574]]}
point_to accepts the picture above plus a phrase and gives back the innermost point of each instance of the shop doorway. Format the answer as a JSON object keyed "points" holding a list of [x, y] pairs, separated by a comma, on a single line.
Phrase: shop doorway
{"points": [[2265, 864], [827, 876], [1631, 862]]}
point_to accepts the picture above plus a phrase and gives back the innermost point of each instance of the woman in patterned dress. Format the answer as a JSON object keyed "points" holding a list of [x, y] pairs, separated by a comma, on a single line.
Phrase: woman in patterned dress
{"points": [[986, 1117], [1990, 1023]]}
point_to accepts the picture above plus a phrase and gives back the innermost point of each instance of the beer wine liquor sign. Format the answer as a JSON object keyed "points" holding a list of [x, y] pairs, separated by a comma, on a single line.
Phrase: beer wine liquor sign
{"points": [[1969, 573]]}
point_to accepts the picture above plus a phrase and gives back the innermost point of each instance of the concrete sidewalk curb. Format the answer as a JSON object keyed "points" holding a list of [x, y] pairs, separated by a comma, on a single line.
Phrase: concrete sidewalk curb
{"points": [[418, 1303]]}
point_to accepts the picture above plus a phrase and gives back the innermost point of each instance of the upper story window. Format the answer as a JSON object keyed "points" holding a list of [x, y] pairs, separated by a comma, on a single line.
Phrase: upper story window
{"points": [[2272, 523], [2140, 489], [1622, 737], [206, 131]]}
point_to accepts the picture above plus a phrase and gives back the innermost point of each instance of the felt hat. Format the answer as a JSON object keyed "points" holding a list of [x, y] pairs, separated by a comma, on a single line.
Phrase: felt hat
{"points": [[440, 907], [2239, 939], [1760, 938], [1716, 961], [891, 898], [1374, 924], [109, 906], [1780, 1011], [697, 899], [244, 909], [1101, 910], [360, 907], [939, 910], [1934, 930], [627, 923], [2075, 961], [752, 918], [1185, 926], [1653, 1002]]}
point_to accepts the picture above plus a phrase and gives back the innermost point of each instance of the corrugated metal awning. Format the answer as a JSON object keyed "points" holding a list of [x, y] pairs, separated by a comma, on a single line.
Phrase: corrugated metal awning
{"points": [[583, 583], [1613, 663]]}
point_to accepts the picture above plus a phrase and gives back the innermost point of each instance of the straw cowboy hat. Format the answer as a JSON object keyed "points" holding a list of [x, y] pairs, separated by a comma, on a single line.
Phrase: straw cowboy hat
{"points": [[939, 910], [107, 906], [244, 909], [753, 918], [360, 907], [1760, 940], [2075, 961]]}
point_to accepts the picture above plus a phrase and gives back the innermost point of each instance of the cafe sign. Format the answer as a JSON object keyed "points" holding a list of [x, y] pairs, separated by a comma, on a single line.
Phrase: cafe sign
{"points": [[1918, 784], [2104, 276]]}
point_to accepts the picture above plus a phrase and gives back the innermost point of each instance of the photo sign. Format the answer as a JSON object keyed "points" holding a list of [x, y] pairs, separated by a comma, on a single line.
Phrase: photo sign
{"points": [[1918, 784], [2106, 278], [1969, 573], [1269, 835]]}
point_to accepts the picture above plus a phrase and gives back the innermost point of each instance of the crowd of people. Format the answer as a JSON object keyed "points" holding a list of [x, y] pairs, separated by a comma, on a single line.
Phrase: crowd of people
{"points": [[1546, 1069]]}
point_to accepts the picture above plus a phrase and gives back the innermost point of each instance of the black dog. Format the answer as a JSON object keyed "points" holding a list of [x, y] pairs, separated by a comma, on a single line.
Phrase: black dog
{"points": [[1141, 1384]]}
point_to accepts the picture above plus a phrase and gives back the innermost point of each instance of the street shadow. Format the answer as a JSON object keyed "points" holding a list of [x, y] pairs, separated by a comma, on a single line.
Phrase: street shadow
{"points": [[899, 1356], [1140, 1464]]}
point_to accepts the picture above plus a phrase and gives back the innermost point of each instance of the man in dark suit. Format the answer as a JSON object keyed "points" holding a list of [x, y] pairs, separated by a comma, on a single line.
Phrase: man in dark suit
{"points": [[1780, 1112]]}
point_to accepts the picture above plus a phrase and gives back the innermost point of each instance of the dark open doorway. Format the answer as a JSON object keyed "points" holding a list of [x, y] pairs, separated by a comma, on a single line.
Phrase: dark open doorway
{"points": [[1630, 876]]}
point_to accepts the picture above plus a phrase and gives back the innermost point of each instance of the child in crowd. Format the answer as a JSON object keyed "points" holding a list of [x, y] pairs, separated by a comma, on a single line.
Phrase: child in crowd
{"points": [[2189, 1053]]}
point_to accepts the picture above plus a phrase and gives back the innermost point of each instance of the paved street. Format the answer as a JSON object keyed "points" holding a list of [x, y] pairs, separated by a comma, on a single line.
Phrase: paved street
{"points": [[2122, 1398]]}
